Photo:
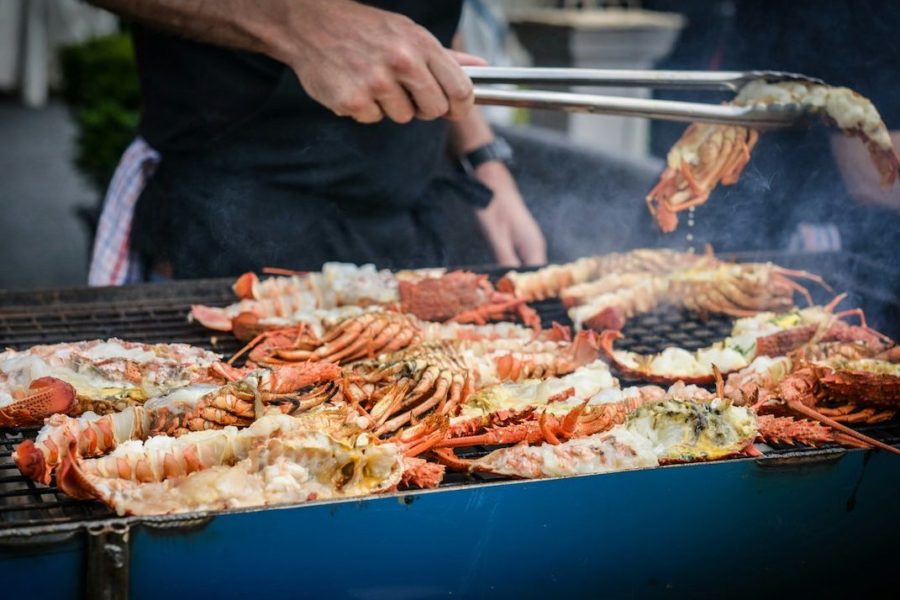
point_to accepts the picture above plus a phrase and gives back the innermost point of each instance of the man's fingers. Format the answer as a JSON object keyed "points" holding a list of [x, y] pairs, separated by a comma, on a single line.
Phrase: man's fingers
{"points": [[533, 254], [455, 83], [368, 113], [504, 251], [411, 70], [359, 105], [430, 101], [467, 60], [394, 101], [530, 244]]}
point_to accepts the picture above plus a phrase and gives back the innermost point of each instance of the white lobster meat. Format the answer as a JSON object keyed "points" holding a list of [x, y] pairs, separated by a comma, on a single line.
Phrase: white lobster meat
{"points": [[276, 460]]}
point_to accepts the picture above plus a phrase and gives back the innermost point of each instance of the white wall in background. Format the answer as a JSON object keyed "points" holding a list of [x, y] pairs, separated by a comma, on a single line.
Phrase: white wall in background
{"points": [[10, 30], [617, 49], [486, 33], [31, 32], [601, 38]]}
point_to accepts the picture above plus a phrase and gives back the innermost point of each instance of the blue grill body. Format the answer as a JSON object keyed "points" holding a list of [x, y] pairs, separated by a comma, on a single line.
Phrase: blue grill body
{"points": [[742, 527]]}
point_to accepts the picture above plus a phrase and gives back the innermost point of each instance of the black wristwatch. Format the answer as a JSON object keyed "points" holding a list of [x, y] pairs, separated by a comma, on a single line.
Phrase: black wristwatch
{"points": [[498, 149]]}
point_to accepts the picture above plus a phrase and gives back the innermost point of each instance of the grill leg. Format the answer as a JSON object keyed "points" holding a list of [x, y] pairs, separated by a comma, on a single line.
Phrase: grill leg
{"points": [[108, 557]]}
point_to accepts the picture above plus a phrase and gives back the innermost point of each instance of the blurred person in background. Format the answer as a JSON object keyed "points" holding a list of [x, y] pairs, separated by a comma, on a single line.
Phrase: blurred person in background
{"points": [[806, 189], [297, 132]]}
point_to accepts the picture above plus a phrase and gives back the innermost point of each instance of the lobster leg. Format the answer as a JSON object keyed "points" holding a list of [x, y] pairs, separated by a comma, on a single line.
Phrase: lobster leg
{"points": [[258, 339], [801, 408], [862, 416], [885, 415], [369, 340], [389, 404], [511, 434], [457, 394], [438, 396], [433, 430], [805, 275], [838, 411], [448, 458]]}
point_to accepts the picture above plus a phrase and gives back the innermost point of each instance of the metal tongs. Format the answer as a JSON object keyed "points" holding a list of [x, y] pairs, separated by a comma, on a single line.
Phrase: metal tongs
{"points": [[758, 116]]}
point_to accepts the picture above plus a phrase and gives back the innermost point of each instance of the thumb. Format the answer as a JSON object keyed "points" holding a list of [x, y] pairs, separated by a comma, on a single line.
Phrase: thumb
{"points": [[467, 60], [533, 255], [504, 252], [529, 240]]}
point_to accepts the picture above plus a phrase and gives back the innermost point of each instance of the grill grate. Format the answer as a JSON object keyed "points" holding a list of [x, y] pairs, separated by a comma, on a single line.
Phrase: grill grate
{"points": [[157, 314], [23, 501]]}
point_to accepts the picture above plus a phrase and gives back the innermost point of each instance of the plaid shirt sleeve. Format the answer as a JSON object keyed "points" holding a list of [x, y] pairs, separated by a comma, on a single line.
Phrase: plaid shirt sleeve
{"points": [[113, 262]]}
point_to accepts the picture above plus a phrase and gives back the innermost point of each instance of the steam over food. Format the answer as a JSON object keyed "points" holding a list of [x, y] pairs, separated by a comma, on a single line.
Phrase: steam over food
{"points": [[707, 155]]}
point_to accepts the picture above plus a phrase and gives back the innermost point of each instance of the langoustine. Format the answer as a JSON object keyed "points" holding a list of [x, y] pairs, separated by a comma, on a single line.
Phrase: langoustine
{"points": [[707, 155], [552, 414]]}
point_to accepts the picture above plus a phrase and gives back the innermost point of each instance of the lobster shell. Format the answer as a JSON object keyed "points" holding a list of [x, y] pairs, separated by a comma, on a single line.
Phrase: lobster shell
{"points": [[862, 387]]}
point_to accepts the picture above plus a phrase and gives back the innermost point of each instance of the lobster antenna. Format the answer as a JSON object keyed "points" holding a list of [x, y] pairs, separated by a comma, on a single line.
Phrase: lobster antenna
{"points": [[720, 384], [834, 302], [285, 272]]}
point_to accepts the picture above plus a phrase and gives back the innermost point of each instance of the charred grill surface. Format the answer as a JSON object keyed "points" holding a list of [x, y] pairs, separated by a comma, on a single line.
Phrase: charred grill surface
{"points": [[157, 313]]}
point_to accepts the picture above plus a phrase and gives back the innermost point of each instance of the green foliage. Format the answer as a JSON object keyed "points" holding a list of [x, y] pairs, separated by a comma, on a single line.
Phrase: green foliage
{"points": [[102, 90]]}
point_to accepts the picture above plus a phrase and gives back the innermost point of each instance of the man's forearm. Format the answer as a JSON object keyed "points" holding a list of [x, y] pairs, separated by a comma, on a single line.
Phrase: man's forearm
{"points": [[242, 24], [469, 133], [357, 60]]}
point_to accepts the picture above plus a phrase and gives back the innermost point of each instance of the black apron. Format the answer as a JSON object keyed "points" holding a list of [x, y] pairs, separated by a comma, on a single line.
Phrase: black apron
{"points": [[268, 177]]}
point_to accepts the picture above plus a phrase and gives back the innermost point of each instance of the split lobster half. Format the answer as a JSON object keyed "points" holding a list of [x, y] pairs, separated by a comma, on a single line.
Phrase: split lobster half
{"points": [[100, 376], [342, 290]]}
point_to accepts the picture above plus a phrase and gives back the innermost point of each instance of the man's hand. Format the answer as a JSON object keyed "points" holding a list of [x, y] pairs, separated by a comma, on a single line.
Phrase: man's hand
{"points": [[859, 173], [367, 63], [507, 224], [358, 61]]}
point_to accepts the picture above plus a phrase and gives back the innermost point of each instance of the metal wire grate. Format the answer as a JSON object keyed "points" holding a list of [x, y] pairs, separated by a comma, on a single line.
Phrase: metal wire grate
{"points": [[24, 501], [158, 321], [158, 314]]}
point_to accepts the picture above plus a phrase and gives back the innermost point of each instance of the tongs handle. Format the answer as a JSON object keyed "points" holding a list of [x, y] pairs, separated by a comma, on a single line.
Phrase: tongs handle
{"points": [[702, 80], [759, 117]]}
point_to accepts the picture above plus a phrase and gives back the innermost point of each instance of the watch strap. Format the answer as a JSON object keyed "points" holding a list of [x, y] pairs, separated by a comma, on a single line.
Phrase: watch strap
{"points": [[497, 149]]}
